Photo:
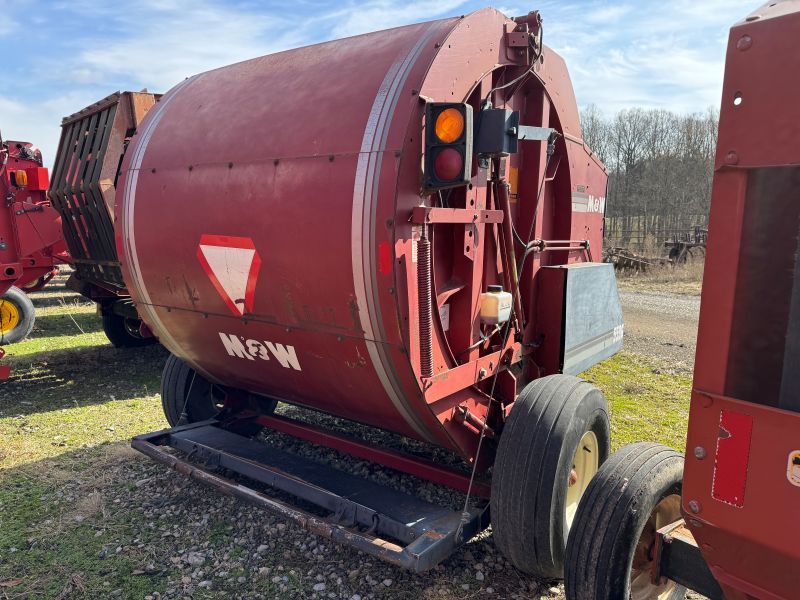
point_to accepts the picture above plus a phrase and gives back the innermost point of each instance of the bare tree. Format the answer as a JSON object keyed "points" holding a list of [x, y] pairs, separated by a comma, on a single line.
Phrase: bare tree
{"points": [[660, 169]]}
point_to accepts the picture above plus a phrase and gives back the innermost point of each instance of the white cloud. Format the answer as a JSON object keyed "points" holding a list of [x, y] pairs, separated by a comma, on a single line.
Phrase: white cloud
{"points": [[639, 54], [362, 17], [181, 38], [622, 54], [40, 122], [7, 27]]}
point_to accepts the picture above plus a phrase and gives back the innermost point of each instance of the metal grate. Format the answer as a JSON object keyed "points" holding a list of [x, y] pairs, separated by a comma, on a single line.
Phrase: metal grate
{"points": [[83, 185]]}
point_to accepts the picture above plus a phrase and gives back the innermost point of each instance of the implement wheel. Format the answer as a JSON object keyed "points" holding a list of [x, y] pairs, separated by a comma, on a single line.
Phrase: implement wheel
{"points": [[556, 437], [609, 553], [17, 316], [188, 397], [123, 332]]}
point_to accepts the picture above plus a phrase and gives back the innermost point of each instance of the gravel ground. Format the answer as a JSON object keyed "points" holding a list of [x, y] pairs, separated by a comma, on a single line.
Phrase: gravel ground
{"points": [[206, 545], [662, 325], [195, 543], [198, 543]]}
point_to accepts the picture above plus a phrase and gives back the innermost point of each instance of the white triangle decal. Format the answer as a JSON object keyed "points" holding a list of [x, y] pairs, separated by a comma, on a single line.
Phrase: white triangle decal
{"points": [[231, 267]]}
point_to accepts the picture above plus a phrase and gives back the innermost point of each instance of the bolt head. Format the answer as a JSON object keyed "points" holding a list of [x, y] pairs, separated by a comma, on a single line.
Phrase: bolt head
{"points": [[731, 158], [695, 523], [481, 373], [573, 478], [699, 452], [694, 506], [744, 42]]}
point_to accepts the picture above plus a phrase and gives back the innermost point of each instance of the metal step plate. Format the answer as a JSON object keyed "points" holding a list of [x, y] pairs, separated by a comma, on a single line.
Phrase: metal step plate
{"points": [[377, 519]]}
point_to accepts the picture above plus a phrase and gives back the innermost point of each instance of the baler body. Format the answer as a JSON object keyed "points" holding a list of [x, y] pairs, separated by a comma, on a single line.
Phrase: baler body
{"points": [[268, 215], [31, 243]]}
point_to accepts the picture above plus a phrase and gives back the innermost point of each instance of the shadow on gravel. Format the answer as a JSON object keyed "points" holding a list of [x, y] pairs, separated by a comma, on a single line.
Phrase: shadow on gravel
{"points": [[56, 516]]}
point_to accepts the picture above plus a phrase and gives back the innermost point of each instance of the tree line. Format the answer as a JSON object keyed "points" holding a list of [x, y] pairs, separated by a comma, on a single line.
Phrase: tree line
{"points": [[660, 168]]}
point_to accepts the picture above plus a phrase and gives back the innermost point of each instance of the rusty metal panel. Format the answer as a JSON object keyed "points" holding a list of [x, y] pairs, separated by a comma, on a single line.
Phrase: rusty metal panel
{"points": [[83, 186]]}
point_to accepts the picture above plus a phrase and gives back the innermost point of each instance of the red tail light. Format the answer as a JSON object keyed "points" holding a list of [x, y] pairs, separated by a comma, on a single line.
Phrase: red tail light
{"points": [[448, 164]]}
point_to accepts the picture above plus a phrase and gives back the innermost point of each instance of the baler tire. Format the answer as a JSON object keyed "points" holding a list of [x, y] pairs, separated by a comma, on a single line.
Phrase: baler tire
{"points": [[635, 488], [555, 421], [184, 389], [17, 306], [120, 332]]}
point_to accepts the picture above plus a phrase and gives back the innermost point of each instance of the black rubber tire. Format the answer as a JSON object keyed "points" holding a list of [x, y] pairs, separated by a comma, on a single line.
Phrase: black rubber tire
{"points": [[27, 316], [611, 517], [532, 469], [183, 389], [120, 332]]}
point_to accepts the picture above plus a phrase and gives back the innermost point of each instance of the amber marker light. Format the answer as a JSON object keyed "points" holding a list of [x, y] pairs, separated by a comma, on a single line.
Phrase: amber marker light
{"points": [[449, 125]]}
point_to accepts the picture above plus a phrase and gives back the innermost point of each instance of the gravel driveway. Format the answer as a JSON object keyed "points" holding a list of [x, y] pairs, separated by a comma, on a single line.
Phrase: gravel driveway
{"points": [[200, 544], [662, 325]]}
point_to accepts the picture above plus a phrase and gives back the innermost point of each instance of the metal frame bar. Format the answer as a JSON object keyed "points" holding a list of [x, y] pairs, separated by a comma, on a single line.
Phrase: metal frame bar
{"points": [[400, 461], [677, 557], [86, 163], [427, 214]]}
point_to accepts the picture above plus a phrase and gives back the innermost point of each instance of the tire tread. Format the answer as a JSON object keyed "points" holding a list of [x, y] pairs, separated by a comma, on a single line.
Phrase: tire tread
{"points": [[600, 544], [525, 522]]}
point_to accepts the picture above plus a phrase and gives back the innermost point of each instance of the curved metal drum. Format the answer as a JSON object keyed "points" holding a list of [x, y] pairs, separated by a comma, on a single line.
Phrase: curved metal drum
{"points": [[266, 230]]}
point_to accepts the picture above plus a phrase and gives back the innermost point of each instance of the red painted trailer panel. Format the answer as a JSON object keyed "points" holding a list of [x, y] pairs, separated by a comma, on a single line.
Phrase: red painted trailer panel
{"points": [[744, 422]]}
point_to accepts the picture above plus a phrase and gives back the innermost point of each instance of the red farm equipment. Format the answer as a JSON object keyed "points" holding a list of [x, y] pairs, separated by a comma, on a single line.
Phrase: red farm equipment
{"points": [[724, 521], [83, 190], [31, 243], [396, 229]]}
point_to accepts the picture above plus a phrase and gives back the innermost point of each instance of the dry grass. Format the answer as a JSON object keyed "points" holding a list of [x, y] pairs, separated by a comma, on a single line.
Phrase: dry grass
{"points": [[680, 279]]}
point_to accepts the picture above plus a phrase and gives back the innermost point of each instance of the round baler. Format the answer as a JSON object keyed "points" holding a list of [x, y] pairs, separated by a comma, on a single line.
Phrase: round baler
{"points": [[282, 234], [31, 242]]}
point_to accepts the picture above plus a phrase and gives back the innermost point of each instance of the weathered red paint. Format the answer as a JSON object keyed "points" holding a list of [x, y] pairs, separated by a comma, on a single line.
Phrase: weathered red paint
{"points": [[315, 155], [732, 459], [750, 544]]}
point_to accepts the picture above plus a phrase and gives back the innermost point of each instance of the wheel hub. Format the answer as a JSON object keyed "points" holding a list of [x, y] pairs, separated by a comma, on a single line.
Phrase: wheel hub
{"points": [[642, 588], [9, 316], [584, 466], [132, 327]]}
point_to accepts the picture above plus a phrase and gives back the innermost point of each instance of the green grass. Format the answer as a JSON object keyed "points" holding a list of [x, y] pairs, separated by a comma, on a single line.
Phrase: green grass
{"points": [[647, 401], [67, 413], [52, 552], [74, 402]]}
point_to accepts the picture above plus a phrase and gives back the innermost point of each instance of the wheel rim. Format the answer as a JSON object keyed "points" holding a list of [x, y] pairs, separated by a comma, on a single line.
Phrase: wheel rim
{"points": [[201, 401], [667, 511], [584, 466], [9, 316], [132, 327]]}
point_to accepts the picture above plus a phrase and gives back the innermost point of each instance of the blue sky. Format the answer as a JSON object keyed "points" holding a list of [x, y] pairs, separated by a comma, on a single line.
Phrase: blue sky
{"points": [[61, 55]]}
